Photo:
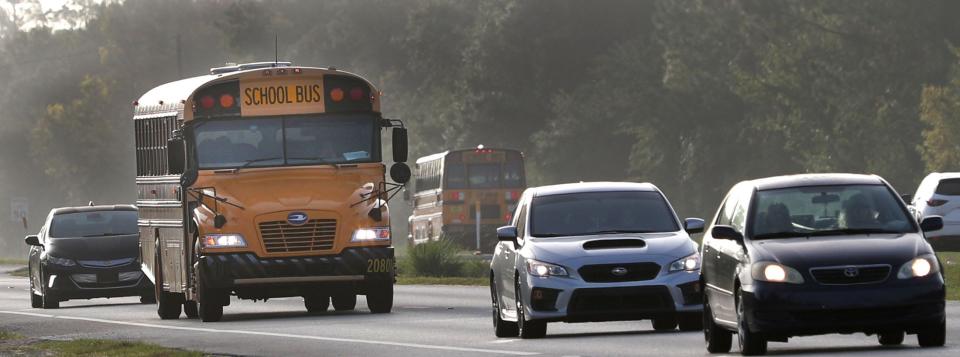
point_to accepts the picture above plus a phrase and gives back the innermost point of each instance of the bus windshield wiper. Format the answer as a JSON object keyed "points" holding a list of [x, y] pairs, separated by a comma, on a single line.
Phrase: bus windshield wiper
{"points": [[253, 161]]}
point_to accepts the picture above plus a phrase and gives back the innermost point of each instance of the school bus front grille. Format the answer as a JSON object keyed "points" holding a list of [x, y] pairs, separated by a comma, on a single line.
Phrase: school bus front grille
{"points": [[283, 237]]}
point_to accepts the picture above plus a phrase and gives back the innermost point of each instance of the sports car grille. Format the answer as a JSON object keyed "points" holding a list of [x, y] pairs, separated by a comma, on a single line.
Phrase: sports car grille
{"points": [[851, 275], [604, 273], [282, 237]]}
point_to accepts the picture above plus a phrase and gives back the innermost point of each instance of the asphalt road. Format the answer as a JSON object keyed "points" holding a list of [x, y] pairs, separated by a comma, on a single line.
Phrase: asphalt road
{"points": [[427, 321]]}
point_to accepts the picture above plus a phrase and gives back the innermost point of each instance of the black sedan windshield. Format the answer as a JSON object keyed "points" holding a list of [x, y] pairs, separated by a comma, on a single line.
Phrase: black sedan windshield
{"points": [[237, 143], [828, 210], [93, 224], [600, 212]]}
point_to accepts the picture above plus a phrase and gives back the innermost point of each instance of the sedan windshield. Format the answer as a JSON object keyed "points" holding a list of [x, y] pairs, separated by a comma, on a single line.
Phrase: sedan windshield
{"points": [[600, 213], [93, 224], [239, 143], [828, 210]]}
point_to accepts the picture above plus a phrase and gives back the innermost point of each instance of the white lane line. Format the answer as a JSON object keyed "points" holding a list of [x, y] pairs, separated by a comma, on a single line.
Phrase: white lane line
{"points": [[272, 334]]}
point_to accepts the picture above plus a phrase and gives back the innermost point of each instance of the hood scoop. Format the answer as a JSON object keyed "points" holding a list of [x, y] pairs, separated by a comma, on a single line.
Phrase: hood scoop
{"points": [[614, 244]]}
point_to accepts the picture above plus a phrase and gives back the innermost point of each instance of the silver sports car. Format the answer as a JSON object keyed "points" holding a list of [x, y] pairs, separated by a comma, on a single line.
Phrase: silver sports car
{"points": [[595, 252]]}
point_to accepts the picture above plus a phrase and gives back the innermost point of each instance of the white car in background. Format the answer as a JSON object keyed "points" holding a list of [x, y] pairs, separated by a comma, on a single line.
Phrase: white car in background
{"points": [[939, 195], [596, 251]]}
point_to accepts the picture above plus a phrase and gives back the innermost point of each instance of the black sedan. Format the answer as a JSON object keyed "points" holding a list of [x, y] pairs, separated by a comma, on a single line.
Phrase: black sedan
{"points": [[84, 253], [815, 254]]}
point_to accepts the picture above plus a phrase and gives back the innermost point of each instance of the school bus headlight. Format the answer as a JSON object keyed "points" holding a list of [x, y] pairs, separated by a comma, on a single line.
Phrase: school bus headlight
{"points": [[371, 234], [223, 241]]}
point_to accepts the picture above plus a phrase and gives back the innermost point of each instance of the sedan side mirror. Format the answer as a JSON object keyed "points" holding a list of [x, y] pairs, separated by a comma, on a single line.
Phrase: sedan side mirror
{"points": [[907, 198], [32, 240], [693, 225], [931, 223], [507, 234], [726, 232]]}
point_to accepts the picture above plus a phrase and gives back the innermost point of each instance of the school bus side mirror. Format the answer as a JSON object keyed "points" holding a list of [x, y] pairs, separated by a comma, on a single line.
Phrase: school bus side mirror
{"points": [[399, 144], [400, 172], [176, 156]]}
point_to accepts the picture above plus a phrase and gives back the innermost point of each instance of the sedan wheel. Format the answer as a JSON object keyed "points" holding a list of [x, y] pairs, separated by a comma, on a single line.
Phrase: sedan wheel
{"points": [[890, 338], [36, 301], [751, 343], [528, 329], [718, 339], [501, 328], [934, 336]]}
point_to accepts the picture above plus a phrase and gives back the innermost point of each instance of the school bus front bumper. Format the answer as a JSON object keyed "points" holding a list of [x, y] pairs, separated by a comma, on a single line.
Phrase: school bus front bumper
{"points": [[235, 270]]}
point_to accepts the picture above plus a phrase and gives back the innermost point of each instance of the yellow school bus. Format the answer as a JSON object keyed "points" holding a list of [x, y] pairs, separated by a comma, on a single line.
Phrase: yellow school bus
{"points": [[454, 187], [266, 180]]}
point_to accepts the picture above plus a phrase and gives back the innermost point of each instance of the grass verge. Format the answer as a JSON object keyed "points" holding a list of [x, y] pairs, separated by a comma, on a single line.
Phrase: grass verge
{"points": [[447, 280], [21, 272], [13, 261], [951, 273], [16, 344]]}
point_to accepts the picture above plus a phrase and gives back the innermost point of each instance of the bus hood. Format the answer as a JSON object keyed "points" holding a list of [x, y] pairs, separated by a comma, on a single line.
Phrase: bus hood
{"points": [[345, 191]]}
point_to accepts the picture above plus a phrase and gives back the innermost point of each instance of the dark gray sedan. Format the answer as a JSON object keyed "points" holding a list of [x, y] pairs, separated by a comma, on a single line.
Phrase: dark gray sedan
{"points": [[84, 253]]}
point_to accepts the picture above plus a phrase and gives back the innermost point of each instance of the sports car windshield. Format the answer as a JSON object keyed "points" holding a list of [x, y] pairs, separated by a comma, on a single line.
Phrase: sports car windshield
{"points": [[280, 141], [601, 213], [827, 210]]}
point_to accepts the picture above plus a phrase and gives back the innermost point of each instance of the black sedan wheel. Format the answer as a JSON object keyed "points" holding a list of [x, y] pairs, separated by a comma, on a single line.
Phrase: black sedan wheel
{"points": [[528, 329], [890, 338], [501, 327], [751, 343], [718, 339], [934, 336], [36, 301], [48, 300]]}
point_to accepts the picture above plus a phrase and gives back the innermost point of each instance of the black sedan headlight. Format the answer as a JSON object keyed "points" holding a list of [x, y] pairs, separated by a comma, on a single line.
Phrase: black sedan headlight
{"points": [[919, 267]]}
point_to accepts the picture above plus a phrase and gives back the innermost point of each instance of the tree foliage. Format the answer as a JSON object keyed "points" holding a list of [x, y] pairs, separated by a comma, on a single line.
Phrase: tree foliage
{"points": [[692, 95]]}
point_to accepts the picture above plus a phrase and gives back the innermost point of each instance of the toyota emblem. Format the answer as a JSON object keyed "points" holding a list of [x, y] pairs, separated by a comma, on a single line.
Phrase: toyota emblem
{"points": [[851, 272], [619, 271]]}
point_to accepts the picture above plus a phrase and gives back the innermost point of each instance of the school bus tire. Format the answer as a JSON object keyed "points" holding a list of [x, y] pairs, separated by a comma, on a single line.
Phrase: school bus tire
{"points": [[168, 306], [190, 309], [210, 304], [344, 301], [380, 296], [316, 302]]}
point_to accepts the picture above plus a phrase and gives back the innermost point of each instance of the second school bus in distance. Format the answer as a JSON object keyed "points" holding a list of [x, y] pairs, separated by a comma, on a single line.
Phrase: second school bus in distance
{"points": [[452, 187], [266, 180]]}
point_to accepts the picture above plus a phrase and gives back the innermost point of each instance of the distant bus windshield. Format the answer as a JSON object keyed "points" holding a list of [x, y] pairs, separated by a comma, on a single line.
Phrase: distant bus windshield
{"points": [[278, 141], [93, 224]]}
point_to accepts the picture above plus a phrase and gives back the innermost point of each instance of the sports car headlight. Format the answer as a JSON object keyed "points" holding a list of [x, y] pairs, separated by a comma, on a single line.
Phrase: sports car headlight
{"points": [[61, 261], [224, 241], [371, 234], [688, 263], [919, 267], [541, 269], [775, 273]]}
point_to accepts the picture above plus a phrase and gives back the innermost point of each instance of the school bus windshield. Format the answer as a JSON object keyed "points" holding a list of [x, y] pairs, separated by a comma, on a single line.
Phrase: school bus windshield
{"points": [[286, 141], [481, 176]]}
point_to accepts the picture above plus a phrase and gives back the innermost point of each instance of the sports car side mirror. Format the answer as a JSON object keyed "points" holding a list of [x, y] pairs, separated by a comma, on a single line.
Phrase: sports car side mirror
{"points": [[931, 223], [507, 234], [32, 240]]}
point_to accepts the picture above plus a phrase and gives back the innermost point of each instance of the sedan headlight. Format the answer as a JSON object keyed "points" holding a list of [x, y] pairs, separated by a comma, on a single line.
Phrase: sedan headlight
{"points": [[775, 273], [919, 267], [224, 241], [687, 263], [371, 234], [541, 269], [61, 261]]}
